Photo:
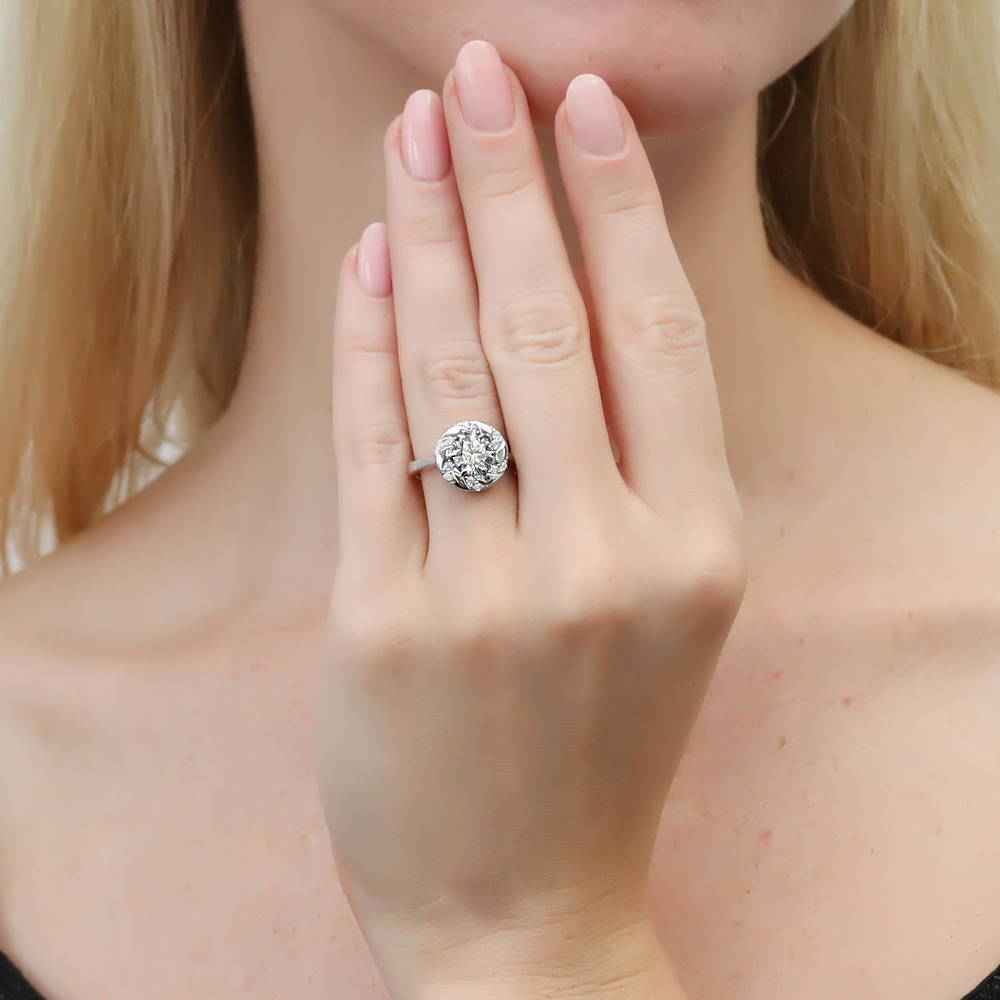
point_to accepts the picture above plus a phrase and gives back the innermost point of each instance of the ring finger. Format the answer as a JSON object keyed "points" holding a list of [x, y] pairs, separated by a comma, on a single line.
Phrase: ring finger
{"points": [[446, 377]]}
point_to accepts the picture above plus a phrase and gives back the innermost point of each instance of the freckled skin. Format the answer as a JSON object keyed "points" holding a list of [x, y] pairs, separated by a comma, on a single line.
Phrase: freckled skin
{"points": [[158, 810]]}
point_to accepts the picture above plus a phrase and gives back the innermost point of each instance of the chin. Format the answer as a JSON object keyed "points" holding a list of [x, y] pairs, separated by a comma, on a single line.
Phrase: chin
{"points": [[677, 64], [673, 83]]}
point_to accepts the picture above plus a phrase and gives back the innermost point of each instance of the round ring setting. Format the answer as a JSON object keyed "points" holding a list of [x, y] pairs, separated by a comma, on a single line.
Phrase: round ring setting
{"points": [[471, 455]]}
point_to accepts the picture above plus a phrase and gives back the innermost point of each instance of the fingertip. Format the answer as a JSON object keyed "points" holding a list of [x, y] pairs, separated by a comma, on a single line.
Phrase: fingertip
{"points": [[372, 261], [390, 140], [559, 118], [347, 274], [448, 84]]}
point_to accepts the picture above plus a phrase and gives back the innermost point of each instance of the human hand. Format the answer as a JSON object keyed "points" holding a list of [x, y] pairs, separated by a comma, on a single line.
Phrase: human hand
{"points": [[513, 674]]}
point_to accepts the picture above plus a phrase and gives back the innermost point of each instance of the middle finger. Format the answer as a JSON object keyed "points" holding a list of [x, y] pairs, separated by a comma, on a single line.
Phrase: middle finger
{"points": [[532, 318]]}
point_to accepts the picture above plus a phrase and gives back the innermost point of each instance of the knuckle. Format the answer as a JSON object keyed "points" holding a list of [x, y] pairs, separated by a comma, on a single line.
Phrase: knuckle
{"points": [[365, 626], [482, 614], [476, 630], [379, 643], [367, 344], [630, 201], [595, 600], [469, 611], [461, 374], [669, 326], [504, 181], [714, 579], [431, 225], [378, 444], [730, 518], [545, 328]]}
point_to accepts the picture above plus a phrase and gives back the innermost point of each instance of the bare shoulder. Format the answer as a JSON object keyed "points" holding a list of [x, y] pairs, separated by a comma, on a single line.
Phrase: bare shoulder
{"points": [[936, 469], [890, 486], [933, 473], [859, 693]]}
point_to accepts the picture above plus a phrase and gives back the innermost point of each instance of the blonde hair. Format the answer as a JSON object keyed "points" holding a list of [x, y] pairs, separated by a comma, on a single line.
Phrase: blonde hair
{"points": [[126, 247], [128, 234]]}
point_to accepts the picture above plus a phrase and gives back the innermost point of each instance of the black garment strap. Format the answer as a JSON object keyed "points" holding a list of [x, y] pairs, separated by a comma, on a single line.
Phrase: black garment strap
{"points": [[13, 986], [988, 989]]}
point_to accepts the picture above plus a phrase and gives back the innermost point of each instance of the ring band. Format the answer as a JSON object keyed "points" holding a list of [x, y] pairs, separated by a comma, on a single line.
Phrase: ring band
{"points": [[471, 455]]}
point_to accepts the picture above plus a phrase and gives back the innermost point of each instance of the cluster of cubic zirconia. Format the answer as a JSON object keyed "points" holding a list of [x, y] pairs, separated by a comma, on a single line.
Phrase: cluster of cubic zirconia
{"points": [[471, 455]]}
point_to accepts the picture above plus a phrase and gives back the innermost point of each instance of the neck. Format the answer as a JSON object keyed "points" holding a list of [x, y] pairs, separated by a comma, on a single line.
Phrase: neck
{"points": [[323, 96]]}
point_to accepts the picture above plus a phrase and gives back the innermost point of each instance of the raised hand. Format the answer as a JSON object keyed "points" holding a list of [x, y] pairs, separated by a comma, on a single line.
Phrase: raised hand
{"points": [[513, 673]]}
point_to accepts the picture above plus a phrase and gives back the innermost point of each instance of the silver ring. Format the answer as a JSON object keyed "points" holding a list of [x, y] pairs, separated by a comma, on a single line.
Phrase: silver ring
{"points": [[471, 455]]}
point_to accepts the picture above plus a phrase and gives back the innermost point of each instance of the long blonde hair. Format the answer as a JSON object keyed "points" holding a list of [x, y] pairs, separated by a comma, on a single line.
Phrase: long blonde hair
{"points": [[127, 239]]}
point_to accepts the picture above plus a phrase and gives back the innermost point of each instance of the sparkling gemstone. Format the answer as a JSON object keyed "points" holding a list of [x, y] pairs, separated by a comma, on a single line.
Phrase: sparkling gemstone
{"points": [[471, 455]]}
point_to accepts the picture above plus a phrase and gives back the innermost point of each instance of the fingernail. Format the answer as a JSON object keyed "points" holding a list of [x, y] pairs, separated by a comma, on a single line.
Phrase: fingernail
{"points": [[423, 142], [374, 273], [483, 87], [593, 115]]}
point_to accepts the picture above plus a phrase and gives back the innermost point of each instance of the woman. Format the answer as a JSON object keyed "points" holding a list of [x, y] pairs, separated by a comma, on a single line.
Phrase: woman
{"points": [[827, 171]]}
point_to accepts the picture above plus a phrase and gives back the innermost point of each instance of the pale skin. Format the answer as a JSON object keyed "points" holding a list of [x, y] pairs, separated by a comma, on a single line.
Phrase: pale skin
{"points": [[831, 822]]}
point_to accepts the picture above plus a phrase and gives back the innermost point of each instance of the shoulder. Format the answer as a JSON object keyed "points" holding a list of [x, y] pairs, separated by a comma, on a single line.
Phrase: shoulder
{"points": [[933, 470], [888, 508]]}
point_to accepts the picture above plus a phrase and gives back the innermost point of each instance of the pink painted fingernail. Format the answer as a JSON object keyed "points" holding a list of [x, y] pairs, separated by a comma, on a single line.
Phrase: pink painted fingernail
{"points": [[423, 141], [483, 87], [593, 115], [374, 273]]}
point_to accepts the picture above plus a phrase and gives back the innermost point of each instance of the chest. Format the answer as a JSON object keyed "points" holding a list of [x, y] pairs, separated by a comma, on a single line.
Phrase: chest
{"points": [[831, 824]]}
